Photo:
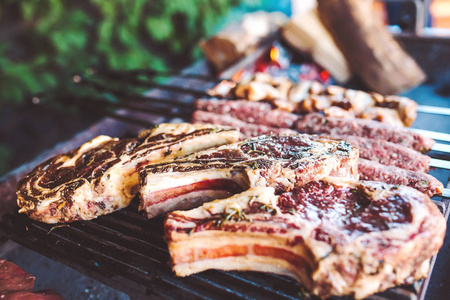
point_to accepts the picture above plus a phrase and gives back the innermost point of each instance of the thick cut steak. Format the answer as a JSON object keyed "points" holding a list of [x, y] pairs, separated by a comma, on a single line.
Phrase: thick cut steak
{"points": [[317, 123], [101, 176], [247, 129], [336, 236], [249, 111], [371, 170], [377, 150], [280, 161], [389, 154]]}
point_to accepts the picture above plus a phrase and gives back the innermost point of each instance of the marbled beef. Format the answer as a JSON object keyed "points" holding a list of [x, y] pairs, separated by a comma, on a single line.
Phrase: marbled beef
{"points": [[281, 161], [336, 236], [101, 176]]}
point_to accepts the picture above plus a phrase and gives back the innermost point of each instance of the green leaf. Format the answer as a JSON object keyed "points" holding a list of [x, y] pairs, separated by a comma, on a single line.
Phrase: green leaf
{"points": [[160, 29]]}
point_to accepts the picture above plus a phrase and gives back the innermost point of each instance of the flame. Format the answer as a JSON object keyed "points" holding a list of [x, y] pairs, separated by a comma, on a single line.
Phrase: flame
{"points": [[274, 54], [324, 75]]}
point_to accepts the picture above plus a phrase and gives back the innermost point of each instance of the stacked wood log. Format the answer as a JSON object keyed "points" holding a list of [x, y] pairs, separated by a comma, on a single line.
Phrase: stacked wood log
{"points": [[306, 33], [371, 51]]}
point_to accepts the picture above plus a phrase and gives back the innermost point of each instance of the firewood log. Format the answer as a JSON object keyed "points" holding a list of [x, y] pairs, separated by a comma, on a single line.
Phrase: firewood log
{"points": [[369, 48], [306, 33]]}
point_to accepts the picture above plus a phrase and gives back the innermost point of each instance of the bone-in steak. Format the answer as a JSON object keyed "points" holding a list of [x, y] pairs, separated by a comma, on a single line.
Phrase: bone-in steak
{"points": [[336, 236], [281, 161], [101, 176]]}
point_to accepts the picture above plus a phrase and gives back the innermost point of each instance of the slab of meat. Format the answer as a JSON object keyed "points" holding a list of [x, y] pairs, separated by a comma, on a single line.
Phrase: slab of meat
{"points": [[371, 170], [101, 176], [13, 278], [279, 161], [388, 153], [335, 236], [247, 129], [384, 152], [317, 123], [249, 111]]}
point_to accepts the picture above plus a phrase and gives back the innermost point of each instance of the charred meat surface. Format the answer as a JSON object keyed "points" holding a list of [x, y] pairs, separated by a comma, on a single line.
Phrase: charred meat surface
{"points": [[101, 176], [317, 123], [281, 161], [427, 184], [336, 236]]}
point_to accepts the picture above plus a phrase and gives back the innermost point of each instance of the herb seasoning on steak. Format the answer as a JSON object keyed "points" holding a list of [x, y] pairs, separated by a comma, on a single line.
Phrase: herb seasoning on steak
{"points": [[336, 236]]}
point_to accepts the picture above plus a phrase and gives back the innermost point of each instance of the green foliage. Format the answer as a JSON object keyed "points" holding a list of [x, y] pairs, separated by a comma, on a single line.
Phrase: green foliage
{"points": [[50, 40], [5, 156]]}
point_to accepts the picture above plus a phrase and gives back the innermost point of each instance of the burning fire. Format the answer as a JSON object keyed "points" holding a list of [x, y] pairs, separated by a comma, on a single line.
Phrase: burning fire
{"points": [[274, 54]]}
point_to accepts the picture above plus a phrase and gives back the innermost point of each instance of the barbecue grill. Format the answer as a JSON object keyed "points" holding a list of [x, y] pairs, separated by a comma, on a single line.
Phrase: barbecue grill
{"points": [[126, 251]]}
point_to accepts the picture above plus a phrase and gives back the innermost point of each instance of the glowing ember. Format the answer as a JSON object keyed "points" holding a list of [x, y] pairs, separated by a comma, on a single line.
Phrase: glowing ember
{"points": [[274, 54], [324, 75]]}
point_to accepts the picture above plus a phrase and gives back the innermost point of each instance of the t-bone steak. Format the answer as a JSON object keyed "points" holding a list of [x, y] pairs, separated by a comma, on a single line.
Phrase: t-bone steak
{"points": [[335, 236], [101, 176], [281, 161]]}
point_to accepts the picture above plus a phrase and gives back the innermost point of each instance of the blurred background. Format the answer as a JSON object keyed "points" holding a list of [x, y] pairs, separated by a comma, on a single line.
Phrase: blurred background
{"points": [[43, 44]]}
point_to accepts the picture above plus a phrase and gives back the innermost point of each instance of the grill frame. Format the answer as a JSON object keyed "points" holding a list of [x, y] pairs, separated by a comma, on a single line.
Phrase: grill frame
{"points": [[126, 266]]}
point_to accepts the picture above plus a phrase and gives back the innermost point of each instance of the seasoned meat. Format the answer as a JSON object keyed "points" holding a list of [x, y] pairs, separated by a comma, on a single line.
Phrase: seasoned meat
{"points": [[248, 111], [371, 170], [335, 236], [279, 161], [312, 96], [381, 151], [101, 176], [316, 123], [388, 153], [406, 108], [247, 129]]}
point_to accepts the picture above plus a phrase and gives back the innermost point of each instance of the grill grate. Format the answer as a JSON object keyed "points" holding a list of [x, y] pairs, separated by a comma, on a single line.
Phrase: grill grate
{"points": [[127, 251]]}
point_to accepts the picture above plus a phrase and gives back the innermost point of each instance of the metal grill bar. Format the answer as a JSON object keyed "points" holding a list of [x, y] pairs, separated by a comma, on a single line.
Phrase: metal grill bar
{"points": [[441, 148], [127, 245], [127, 251], [433, 134], [439, 163], [433, 110], [124, 75], [164, 87]]}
